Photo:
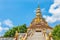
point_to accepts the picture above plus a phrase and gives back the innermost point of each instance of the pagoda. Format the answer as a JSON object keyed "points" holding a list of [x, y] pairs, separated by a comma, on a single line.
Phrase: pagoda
{"points": [[39, 23], [39, 28]]}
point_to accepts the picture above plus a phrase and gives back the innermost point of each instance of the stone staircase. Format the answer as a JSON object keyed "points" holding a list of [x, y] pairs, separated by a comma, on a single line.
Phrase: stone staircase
{"points": [[36, 36]]}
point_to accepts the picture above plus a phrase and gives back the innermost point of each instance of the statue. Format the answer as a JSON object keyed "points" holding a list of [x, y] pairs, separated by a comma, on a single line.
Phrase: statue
{"points": [[16, 35]]}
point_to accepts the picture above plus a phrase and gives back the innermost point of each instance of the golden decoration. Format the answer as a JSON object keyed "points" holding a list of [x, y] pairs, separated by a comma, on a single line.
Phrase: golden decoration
{"points": [[50, 34], [37, 20], [16, 34]]}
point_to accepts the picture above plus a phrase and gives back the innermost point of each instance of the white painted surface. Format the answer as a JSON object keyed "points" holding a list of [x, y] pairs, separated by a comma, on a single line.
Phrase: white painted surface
{"points": [[37, 36]]}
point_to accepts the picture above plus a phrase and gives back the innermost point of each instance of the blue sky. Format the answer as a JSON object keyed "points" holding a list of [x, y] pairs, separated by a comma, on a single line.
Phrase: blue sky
{"points": [[18, 12]]}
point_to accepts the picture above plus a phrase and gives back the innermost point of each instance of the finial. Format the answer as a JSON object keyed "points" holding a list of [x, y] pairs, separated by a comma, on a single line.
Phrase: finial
{"points": [[30, 24], [38, 6], [38, 11]]}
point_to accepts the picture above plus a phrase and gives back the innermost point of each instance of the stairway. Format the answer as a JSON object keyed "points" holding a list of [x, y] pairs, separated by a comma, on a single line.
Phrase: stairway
{"points": [[36, 36]]}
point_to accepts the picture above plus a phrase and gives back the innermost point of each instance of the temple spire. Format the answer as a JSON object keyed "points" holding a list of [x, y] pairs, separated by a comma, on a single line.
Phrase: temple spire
{"points": [[38, 12]]}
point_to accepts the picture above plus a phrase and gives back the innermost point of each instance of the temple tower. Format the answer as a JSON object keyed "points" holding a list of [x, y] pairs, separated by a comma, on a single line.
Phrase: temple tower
{"points": [[39, 22]]}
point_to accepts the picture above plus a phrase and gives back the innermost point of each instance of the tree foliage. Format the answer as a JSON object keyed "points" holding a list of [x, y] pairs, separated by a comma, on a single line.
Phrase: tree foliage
{"points": [[56, 32], [20, 29]]}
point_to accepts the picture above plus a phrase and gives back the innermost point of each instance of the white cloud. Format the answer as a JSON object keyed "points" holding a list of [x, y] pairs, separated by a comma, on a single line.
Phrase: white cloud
{"points": [[6, 28], [50, 19], [5, 22], [55, 11], [43, 10], [1, 28], [8, 22]]}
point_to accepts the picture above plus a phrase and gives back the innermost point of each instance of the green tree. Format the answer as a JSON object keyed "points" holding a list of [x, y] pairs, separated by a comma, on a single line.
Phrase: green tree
{"points": [[56, 32], [20, 29]]}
